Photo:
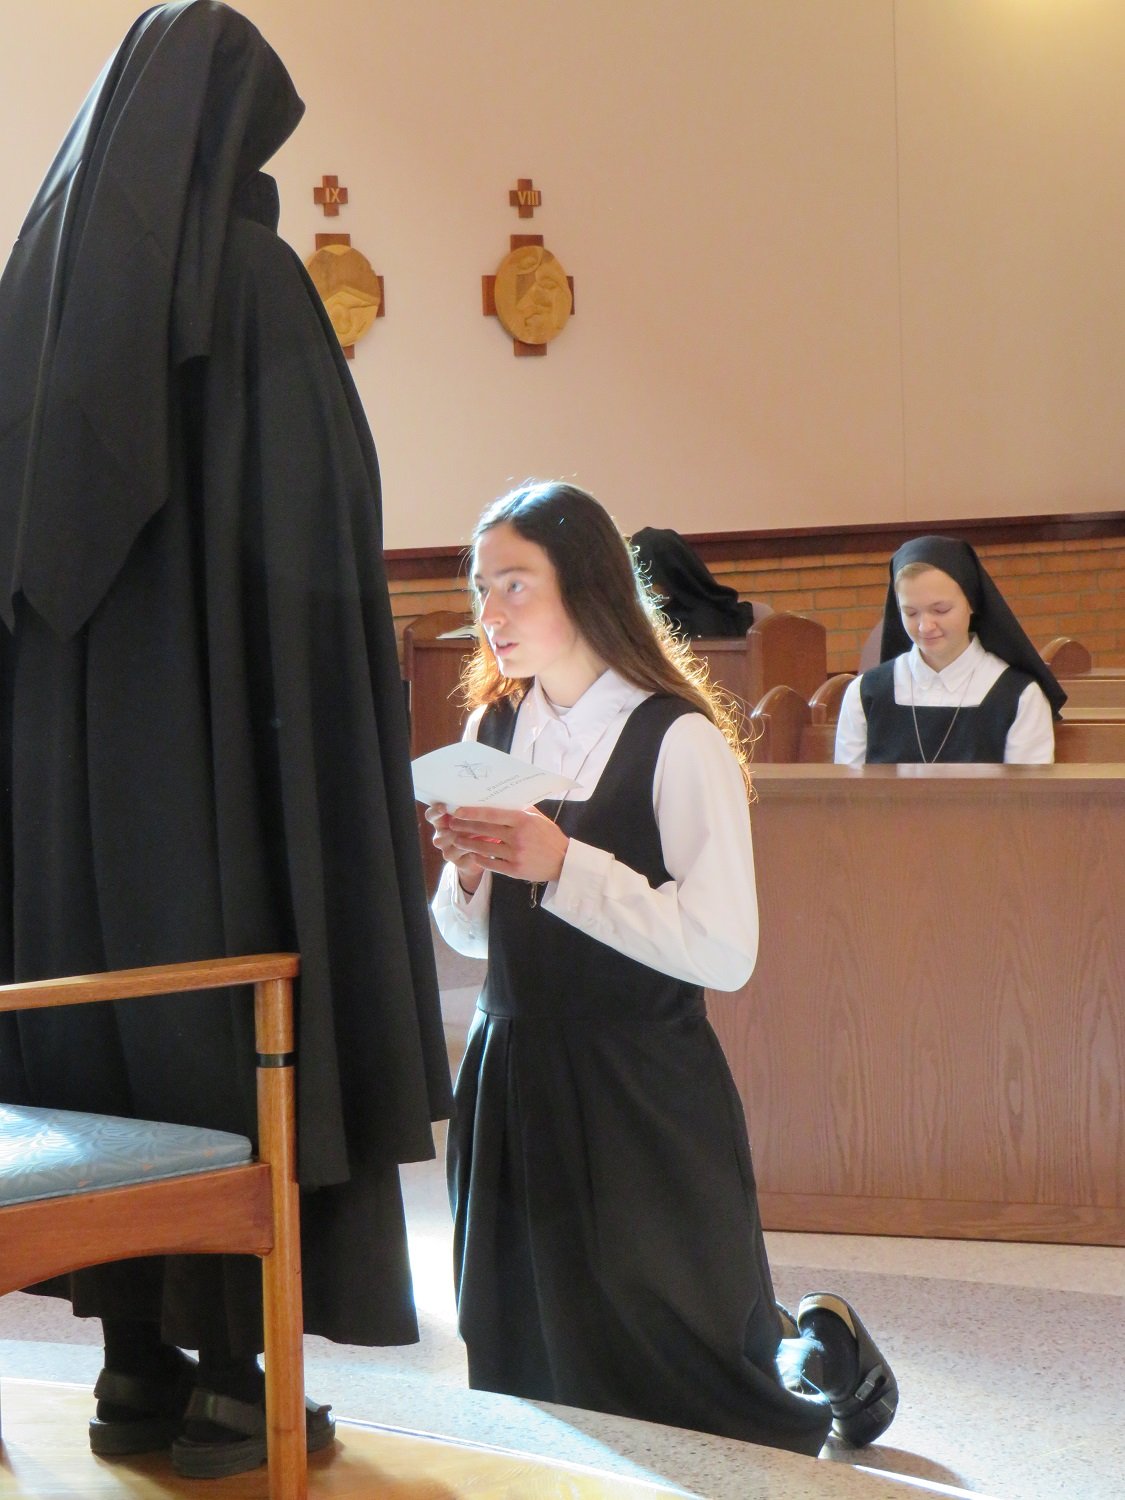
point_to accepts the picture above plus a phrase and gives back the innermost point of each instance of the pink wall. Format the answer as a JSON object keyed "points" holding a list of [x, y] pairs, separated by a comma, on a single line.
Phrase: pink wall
{"points": [[834, 262]]}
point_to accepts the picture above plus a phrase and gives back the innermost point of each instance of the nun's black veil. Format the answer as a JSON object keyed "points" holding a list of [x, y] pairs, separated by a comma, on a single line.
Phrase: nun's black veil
{"points": [[694, 601], [993, 622], [203, 742]]}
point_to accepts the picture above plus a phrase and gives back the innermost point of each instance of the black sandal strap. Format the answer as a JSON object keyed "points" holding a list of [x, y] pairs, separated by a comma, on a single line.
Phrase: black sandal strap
{"points": [[245, 1417]]}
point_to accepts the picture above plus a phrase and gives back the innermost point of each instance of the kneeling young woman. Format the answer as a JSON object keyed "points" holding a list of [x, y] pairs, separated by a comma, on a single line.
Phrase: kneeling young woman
{"points": [[609, 1251]]}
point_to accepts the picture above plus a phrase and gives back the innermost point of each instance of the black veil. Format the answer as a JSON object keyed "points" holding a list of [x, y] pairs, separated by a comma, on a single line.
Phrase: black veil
{"points": [[693, 599]]}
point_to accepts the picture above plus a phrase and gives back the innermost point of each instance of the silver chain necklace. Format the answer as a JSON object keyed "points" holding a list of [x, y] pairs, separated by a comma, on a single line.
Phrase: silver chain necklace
{"points": [[537, 885], [949, 731]]}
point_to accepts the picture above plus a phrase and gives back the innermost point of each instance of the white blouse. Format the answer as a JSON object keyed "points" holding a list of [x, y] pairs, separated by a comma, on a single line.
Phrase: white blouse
{"points": [[702, 925], [965, 682]]}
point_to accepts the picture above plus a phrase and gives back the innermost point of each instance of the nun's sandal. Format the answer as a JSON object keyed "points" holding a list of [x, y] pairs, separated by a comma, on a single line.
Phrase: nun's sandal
{"points": [[860, 1415]]}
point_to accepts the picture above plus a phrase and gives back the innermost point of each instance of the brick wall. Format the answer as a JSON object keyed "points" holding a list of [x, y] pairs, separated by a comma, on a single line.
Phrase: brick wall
{"points": [[1074, 588]]}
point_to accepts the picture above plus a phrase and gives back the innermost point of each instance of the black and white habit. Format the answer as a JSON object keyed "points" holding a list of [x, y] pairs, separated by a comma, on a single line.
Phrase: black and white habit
{"points": [[203, 744]]}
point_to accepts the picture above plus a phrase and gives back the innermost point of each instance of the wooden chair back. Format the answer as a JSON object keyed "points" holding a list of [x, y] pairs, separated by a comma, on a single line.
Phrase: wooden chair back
{"points": [[825, 702], [250, 1209]]}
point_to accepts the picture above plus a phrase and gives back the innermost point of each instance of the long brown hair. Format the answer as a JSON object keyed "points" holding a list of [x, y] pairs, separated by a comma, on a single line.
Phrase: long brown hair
{"points": [[609, 601]]}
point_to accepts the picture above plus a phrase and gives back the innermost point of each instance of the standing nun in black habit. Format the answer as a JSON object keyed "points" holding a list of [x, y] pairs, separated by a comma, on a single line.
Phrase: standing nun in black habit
{"points": [[203, 746]]}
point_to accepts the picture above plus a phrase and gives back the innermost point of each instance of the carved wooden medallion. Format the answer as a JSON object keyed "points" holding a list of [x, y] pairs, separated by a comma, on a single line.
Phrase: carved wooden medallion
{"points": [[532, 295]]}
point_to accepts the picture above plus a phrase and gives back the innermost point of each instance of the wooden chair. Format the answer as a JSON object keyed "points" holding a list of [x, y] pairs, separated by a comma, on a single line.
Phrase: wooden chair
{"points": [[825, 702], [53, 1221], [1067, 657]]}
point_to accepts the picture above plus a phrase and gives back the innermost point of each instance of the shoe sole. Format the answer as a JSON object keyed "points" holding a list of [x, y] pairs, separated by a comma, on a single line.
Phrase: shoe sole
{"points": [[145, 1435], [871, 1407], [223, 1460]]}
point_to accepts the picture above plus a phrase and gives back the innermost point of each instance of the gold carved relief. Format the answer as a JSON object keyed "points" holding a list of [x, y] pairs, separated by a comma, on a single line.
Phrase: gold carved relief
{"points": [[349, 289], [532, 296]]}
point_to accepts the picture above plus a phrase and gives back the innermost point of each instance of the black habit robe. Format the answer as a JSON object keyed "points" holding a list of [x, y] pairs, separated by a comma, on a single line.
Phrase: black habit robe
{"points": [[203, 741]]}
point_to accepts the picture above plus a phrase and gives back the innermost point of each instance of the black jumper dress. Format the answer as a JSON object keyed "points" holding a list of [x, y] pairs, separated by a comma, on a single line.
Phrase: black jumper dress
{"points": [[976, 734], [608, 1247]]}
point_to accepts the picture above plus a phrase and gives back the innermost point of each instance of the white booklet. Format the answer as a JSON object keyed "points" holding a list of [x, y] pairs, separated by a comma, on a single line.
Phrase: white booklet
{"points": [[471, 775]]}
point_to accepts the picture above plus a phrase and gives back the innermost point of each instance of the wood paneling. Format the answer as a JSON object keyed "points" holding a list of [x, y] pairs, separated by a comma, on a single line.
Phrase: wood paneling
{"points": [[933, 1041]]}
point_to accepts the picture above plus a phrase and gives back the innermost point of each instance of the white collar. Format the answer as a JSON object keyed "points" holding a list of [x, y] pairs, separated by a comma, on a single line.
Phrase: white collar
{"points": [[607, 696], [953, 678]]}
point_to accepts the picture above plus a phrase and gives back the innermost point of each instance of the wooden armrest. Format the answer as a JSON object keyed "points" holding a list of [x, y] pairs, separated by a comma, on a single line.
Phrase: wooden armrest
{"points": [[273, 1008], [166, 979]]}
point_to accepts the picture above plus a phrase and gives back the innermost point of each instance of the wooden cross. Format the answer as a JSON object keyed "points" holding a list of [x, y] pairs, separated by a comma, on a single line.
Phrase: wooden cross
{"points": [[525, 197], [330, 195]]}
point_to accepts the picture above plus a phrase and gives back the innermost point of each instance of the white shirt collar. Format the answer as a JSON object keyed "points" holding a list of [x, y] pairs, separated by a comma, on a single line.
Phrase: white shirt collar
{"points": [[607, 696], [953, 678]]}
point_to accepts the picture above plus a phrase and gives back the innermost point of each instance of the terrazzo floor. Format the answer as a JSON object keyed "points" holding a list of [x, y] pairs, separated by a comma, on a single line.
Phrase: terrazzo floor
{"points": [[1010, 1358]]}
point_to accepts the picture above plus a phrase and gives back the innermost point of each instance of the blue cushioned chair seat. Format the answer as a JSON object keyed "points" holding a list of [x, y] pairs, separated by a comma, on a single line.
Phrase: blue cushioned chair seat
{"points": [[48, 1153]]}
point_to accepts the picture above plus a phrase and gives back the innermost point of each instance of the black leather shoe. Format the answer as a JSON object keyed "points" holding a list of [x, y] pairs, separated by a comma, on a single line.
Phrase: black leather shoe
{"points": [[860, 1415]]}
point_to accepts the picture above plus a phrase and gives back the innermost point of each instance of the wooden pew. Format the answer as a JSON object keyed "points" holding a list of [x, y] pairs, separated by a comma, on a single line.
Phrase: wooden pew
{"points": [[937, 1046], [1094, 690], [782, 648], [825, 702], [1085, 685], [783, 731], [1086, 743], [432, 668], [1067, 657]]}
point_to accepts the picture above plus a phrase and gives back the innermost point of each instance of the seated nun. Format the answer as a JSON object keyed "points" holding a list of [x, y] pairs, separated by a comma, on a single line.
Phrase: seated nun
{"points": [[693, 601], [958, 678]]}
